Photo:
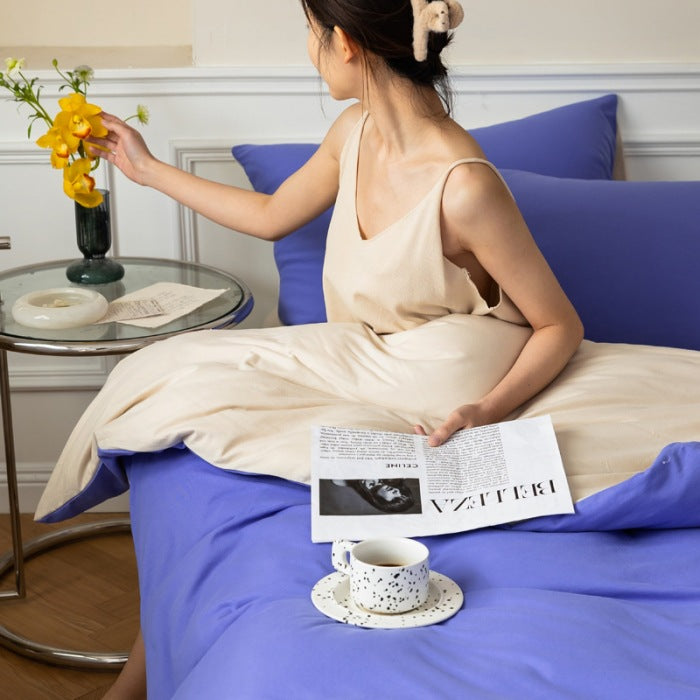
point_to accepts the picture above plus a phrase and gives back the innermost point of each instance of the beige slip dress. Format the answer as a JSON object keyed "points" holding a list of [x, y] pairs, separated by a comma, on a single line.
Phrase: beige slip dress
{"points": [[399, 278]]}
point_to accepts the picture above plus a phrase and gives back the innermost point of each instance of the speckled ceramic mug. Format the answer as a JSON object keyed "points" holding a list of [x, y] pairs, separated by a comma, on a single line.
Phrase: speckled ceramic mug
{"points": [[388, 575]]}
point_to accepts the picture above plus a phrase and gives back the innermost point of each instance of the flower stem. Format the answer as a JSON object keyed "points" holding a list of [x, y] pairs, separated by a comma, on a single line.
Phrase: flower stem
{"points": [[26, 94]]}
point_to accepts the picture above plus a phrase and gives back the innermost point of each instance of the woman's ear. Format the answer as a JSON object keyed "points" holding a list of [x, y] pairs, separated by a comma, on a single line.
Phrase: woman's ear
{"points": [[348, 45]]}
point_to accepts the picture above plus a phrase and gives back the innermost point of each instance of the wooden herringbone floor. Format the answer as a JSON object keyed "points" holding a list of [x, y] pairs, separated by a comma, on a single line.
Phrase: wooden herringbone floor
{"points": [[82, 595]]}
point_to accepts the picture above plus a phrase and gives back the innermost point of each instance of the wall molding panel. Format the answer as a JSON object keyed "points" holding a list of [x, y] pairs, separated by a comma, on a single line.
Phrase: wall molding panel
{"points": [[187, 154], [654, 146], [300, 80], [44, 373]]}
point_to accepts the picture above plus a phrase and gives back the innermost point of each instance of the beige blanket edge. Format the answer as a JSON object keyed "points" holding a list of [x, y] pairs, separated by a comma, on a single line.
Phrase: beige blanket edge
{"points": [[245, 400]]}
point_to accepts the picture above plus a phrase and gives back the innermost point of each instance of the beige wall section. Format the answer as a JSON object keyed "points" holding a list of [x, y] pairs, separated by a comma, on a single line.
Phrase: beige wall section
{"points": [[494, 32], [264, 34], [600, 31], [239, 33], [130, 33], [125, 23]]}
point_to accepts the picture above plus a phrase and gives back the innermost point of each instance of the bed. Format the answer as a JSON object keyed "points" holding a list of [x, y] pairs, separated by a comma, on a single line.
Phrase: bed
{"points": [[603, 603]]}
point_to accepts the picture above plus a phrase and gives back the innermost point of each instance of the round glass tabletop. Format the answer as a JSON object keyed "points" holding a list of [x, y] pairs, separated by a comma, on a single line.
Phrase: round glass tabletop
{"points": [[228, 309]]}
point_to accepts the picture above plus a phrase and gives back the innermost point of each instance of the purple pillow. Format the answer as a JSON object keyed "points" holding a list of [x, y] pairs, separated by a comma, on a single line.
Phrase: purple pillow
{"points": [[576, 140], [298, 256], [626, 253]]}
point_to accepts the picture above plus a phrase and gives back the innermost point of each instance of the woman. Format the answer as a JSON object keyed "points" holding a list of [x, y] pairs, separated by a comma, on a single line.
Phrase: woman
{"points": [[424, 229]]}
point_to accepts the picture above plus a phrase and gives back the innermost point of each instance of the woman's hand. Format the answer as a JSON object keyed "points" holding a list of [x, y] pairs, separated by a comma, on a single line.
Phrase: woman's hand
{"points": [[124, 146], [467, 416]]}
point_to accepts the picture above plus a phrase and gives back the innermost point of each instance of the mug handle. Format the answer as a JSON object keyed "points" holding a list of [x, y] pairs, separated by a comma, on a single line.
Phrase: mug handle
{"points": [[339, 556]]}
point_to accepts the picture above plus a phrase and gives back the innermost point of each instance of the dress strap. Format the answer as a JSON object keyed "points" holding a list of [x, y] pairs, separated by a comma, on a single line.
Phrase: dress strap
{"points": [[483, 161]]}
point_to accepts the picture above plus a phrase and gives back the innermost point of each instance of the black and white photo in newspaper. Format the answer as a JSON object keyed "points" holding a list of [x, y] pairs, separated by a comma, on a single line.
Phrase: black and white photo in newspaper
{"points": [[367, 483]]}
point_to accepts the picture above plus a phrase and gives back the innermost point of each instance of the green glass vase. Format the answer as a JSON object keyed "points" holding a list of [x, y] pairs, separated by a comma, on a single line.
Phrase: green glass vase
{"points": [[94, 235]]}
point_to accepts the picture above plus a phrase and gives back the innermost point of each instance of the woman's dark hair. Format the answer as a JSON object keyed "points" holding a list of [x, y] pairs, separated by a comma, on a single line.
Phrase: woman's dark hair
{"points": [[385, 28]]}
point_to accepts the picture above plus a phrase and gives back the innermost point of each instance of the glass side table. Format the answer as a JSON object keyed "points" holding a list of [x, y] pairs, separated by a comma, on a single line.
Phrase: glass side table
{"points": [[228, 309]]}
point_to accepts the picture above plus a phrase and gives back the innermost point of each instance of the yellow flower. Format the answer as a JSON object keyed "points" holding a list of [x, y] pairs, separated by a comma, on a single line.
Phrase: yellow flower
{"points": [[78, 119], [79, 185], [60, 150]]}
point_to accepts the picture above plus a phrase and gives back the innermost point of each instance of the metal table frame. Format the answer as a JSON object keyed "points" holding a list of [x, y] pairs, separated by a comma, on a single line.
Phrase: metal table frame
{"points": [[21, 551]]}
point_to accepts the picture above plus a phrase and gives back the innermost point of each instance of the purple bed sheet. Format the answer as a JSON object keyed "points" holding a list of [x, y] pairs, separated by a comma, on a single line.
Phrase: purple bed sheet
{"points": [[604, 603]]}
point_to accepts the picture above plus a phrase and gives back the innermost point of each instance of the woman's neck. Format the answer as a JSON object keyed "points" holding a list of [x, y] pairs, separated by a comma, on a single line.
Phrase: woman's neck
{"points": [[399, 114]]}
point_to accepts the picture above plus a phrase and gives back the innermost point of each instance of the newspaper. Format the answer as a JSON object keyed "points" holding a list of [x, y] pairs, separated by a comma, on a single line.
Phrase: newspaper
{"points": [[158, 304], [368, 483]]}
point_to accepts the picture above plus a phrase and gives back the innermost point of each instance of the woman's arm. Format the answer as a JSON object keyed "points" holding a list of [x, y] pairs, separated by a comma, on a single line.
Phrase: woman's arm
{"points": [[479, 212], [303, 196]]}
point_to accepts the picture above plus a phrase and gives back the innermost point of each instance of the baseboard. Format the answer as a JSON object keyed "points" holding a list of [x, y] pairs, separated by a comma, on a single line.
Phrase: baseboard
{"points": [[31, 480]]}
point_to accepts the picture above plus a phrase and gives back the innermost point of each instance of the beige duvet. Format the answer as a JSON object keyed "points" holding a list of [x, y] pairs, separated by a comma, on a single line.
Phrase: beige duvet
{"points": [[245, 400]]}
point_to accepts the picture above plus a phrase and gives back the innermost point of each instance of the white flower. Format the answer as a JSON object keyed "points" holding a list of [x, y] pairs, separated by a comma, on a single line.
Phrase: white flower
{"points": [[142, 114], [84, 73], [13, 65]]}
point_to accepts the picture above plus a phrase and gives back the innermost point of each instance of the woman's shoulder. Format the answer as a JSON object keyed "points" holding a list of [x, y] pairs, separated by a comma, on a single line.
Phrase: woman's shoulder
{"points": [[347, 120], [473, 184], [341, 129], [457, 141], [452, 150], [471, 174]]}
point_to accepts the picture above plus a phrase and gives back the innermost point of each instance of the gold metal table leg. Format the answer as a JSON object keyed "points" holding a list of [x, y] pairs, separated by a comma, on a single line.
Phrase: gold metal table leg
{"points": [[56, 655]]}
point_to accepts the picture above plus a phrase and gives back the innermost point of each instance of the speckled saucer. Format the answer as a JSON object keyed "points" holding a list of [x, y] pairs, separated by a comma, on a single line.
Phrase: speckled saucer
{"points": [[331, 595]]}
